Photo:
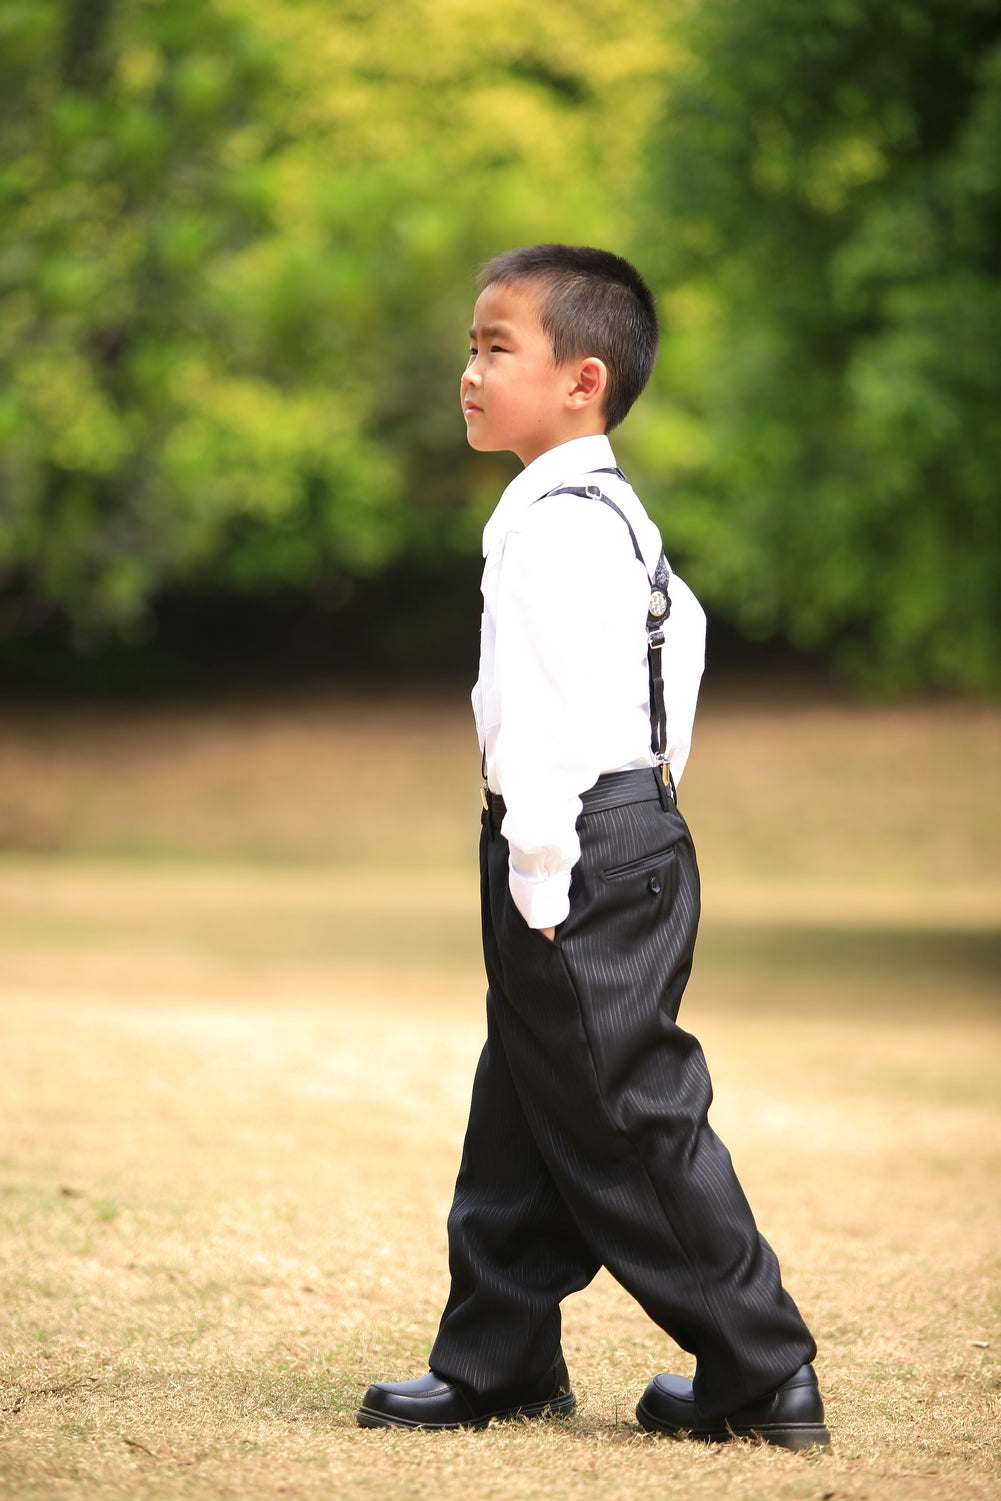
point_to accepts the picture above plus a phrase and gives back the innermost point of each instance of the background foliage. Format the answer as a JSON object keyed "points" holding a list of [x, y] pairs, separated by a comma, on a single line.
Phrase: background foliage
{"points": [[831, 176], [236, 249]]}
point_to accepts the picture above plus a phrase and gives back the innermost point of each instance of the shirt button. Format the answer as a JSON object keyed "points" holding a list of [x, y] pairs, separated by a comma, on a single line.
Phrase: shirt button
{"points": [[654, 885]]}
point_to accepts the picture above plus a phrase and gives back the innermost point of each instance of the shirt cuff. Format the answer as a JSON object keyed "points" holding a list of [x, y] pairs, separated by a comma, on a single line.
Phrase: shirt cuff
{"points": [[542, 903]]}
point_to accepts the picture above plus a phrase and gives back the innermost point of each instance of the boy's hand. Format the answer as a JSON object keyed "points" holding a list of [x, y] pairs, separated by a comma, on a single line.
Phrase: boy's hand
{"points": [[549, 933]]}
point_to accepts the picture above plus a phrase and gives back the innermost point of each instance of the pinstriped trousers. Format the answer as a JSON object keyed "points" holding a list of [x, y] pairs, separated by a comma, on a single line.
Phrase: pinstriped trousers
{"points": [[588, 1142]]}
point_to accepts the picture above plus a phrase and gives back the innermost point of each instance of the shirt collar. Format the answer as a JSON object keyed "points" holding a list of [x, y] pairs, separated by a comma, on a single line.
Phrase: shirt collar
{"points": [[557, 466]]}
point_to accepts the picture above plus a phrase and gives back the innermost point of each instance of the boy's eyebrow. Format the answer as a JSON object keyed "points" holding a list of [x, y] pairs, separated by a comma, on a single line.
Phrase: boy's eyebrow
{"points": [[490, 330]]}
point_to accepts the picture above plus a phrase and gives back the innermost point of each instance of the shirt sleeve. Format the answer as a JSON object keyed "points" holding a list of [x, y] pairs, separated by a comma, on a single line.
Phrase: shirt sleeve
{"points": [[682, 663], [571, 611]]}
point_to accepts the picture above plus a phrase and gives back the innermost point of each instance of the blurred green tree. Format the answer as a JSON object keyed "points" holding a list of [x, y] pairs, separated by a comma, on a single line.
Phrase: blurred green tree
{"points": [[236, 246], [152, 424], [824, 218]]}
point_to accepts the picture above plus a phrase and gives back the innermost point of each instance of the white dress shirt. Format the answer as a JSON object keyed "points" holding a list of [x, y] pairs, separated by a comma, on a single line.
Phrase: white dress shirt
{"points": [[563, 694]]}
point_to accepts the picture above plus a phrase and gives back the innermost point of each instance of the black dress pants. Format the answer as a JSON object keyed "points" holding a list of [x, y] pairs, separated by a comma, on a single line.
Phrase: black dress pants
{"points": [[588, 1143]]}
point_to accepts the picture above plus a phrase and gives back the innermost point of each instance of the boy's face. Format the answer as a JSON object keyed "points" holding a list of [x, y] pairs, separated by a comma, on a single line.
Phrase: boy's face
{"points": [[514, 395]]}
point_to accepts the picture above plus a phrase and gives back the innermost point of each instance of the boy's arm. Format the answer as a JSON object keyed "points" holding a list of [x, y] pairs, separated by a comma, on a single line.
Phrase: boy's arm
{"points": [[571, 608]]}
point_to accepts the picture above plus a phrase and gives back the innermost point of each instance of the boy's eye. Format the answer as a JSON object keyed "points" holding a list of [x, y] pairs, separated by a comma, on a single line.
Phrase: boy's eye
{"points": [[497, 349]]}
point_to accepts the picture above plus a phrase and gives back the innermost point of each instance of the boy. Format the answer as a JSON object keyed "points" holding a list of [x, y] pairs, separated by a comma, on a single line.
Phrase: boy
{"points": [[587, 1142]]}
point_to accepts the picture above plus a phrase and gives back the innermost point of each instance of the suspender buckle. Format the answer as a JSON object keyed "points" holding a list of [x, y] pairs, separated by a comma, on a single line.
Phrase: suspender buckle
{"points": [[667, 789]]}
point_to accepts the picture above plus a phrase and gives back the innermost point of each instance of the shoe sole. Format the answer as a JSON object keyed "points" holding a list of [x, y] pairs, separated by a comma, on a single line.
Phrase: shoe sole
{"points": [[795, 1436], [553, 1407]]}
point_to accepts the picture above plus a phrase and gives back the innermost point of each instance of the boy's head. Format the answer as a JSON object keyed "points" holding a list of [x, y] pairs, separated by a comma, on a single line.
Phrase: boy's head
{"points": [[590, 302], [563, 341]]}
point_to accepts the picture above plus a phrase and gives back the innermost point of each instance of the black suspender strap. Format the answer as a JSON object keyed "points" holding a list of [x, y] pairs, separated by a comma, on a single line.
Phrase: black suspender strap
{"points": [[658, 609]]}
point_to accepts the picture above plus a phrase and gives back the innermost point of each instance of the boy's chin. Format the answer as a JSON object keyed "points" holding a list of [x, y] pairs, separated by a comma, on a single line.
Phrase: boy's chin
{"points": [[482, 442]]}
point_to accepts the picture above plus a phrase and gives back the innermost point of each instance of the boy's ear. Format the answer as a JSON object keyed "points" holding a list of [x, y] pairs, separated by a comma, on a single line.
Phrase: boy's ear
{"points": [[590, 383]]}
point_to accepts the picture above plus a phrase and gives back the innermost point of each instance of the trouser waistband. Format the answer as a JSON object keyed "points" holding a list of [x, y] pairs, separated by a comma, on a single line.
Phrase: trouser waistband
{"points": [[613, 790]]}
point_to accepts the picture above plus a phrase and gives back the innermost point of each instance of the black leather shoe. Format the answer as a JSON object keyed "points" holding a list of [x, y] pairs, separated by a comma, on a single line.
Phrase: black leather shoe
{"points": [[432, 1402], [792, 1416]]}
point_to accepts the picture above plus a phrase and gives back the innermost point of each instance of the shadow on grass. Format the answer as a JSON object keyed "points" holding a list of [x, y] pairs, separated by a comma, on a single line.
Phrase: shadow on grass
{"points": [[941, 959]]}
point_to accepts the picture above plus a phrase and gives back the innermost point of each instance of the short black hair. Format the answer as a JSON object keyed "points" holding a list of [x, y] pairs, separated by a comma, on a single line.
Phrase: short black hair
{"points": [[591, 303]]}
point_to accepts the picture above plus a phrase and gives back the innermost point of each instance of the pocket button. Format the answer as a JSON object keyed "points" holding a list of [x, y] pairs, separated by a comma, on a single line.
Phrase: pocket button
{"points": [[654, 885]]}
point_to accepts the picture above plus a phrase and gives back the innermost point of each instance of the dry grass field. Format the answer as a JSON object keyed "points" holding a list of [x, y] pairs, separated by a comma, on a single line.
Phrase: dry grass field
{"points": [[238, 1019]]}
